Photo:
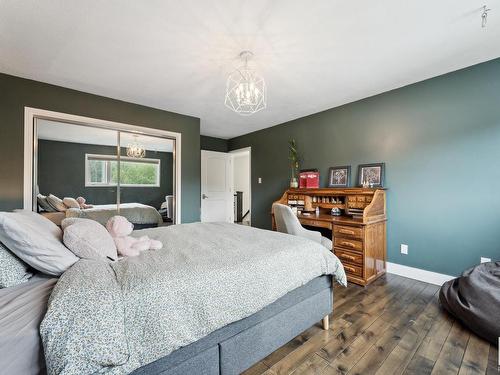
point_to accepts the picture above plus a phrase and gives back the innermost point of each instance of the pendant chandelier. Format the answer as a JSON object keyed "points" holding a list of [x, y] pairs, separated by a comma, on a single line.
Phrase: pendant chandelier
{"points": [[135, 149], [245, 89]]}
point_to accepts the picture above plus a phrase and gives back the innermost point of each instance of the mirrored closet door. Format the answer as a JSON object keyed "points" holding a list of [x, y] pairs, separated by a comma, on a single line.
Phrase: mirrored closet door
{"points": [[95, 172]]}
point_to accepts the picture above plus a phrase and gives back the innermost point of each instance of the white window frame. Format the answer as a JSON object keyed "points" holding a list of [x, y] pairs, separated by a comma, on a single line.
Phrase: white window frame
{"points": [[156, 162]]}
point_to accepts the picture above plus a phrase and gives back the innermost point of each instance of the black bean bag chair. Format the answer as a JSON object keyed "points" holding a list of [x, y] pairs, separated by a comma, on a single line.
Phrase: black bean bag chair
{"points": [[474, 300]]}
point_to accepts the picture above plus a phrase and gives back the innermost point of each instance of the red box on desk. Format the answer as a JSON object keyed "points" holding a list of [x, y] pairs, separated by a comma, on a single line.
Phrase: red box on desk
{"points": [[309, 180]]}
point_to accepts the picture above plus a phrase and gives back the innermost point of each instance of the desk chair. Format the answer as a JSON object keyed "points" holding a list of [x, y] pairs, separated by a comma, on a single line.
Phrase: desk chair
{"points": [[287, 222]]}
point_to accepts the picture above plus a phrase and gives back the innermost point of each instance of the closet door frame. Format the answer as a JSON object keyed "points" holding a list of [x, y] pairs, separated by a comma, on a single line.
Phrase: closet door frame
{"points": [[31, 148]]}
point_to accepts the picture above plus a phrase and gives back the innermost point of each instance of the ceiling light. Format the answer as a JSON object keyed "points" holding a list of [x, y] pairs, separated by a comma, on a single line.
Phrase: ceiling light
{"points": [[135, 149], [245, 89]]}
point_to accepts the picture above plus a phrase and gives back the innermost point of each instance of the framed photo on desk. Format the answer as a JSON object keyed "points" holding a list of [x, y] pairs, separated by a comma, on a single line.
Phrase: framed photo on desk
{"points": [[339, 176], [371, 174]]}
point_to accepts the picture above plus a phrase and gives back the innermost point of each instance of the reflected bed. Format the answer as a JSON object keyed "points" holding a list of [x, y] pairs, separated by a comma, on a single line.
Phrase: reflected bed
{"points": [[140, 215]]}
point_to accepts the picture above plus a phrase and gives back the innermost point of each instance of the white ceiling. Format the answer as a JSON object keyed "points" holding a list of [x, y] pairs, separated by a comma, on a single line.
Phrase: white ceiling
{"points": [[63, 132], [176, 55]]}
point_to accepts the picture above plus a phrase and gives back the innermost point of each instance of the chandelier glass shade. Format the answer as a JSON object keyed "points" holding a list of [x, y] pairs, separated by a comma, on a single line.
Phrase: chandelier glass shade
{"points": [[245, 89], [136, 150]]}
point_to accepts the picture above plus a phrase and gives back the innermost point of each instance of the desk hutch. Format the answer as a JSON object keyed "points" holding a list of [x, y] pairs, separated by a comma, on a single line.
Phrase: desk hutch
{"points": [[358, 235]]}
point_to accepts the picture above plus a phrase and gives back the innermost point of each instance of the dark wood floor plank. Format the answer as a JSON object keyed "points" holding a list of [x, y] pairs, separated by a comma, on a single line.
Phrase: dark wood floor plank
{"points": [[289, 347], [493, 362], [350, 355], [399, 358], [394, 326], [474, 361], [312, 366], [304, 352], [453, 350], [361, 320], [378, 353], [257, 369], [367, 296], [428, 351]]}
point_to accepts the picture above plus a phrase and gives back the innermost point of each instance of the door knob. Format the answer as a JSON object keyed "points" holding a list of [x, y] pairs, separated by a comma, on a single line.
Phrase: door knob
{"points": [[204, 196]]}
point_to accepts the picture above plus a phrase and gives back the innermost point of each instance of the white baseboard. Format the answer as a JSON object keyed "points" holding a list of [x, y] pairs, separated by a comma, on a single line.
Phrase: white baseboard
{"points": [[418, 274]]}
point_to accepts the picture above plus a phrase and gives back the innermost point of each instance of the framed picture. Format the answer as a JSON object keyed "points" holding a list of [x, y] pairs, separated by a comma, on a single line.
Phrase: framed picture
{"points": [[371, 174], [339, 176]]}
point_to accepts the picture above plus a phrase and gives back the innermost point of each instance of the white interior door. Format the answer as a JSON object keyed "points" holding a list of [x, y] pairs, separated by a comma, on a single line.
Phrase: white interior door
{"points": [[217, 200]]}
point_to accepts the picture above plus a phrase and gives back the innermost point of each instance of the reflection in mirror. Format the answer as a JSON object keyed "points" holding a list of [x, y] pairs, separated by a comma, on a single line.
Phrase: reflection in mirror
{"points": [[77, 161], [147, 174]]}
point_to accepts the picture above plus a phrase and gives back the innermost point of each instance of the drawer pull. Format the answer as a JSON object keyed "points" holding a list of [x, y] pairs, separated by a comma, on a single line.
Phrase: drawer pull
{"points": [[347, 256], [350, 268], [345, 231], [349, 244]]}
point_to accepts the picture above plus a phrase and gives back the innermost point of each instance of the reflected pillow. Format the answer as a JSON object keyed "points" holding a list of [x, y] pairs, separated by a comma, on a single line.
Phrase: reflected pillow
{"points": [[70, 203], [13, 271], [44, 205], [56, 203], [36, 240], [88, 239]]}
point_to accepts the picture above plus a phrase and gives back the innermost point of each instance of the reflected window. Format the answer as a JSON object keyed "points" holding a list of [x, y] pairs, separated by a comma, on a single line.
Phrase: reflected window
{"points": [[102, 170]]}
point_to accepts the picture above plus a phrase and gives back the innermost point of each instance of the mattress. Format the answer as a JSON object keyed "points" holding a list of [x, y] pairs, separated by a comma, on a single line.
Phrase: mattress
{"points": [[22, 308]]}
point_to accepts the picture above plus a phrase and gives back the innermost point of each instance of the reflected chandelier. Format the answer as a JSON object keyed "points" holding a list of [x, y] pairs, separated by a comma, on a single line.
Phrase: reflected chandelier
{"points": [[245, 89], [135, 149]]}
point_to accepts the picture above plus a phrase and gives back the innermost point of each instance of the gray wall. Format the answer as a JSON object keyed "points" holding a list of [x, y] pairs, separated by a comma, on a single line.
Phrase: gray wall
{"points": [[16, 93], [214, 144], [61, 171], [440, 140]]}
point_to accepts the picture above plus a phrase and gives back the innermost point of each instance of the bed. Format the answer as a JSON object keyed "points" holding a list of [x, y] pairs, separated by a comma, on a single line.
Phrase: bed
{"points": [[141, 215], [216, 299]]}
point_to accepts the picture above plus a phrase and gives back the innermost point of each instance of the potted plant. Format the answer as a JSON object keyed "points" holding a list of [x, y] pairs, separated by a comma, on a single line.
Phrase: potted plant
{"points": [[294, 162]]}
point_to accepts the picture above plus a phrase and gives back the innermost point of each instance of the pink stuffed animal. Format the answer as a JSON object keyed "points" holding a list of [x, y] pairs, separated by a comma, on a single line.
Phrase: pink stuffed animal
{"points": [[81, 201], [120, 229]]}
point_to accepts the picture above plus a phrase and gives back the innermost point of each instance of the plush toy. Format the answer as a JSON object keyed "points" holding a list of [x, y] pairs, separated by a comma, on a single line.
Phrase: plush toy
{"points": [[120, 229], [83, 205]]}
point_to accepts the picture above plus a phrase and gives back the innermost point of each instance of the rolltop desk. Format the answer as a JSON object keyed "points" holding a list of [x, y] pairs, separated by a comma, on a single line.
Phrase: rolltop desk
{"points": [[358, 234]]}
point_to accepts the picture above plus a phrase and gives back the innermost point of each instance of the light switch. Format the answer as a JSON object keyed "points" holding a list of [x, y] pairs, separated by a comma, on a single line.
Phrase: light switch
{"points": [[260, 180]]}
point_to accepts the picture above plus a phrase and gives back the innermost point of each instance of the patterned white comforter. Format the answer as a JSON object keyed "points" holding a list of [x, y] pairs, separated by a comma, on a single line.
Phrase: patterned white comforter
{"points": [[115, 317]]}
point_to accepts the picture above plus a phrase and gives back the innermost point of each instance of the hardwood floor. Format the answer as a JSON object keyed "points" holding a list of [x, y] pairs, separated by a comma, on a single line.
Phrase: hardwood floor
{"points": [[394, 326]]}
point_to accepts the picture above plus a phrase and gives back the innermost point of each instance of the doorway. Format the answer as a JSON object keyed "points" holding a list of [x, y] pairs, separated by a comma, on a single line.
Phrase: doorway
{"points": [[242, 185], [216, 187]]}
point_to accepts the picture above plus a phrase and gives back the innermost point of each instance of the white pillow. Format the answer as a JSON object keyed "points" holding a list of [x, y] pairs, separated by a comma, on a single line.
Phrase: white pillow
{"points": [[56, 203], [88, 239], [70, 203], [36, 240]]}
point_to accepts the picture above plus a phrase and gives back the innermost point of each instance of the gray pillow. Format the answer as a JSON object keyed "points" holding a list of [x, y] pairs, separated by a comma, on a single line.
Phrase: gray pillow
{"points": [[36, 240], [13, 271], [42, 202], [56, 203], [88, 239]]}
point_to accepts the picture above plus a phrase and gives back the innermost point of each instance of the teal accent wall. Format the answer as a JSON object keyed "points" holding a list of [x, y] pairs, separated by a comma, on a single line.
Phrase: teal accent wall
{"points": [[214, 144], [440, 140], [16, 93]]}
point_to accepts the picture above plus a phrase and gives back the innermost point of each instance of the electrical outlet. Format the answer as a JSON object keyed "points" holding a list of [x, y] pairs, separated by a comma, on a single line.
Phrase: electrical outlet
{"points": [[485, 260], [404, 249], [260, 180]]}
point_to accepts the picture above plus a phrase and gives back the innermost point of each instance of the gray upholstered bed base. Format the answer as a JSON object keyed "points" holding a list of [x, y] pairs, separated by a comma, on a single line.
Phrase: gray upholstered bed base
{"points": [[236, 347]]}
